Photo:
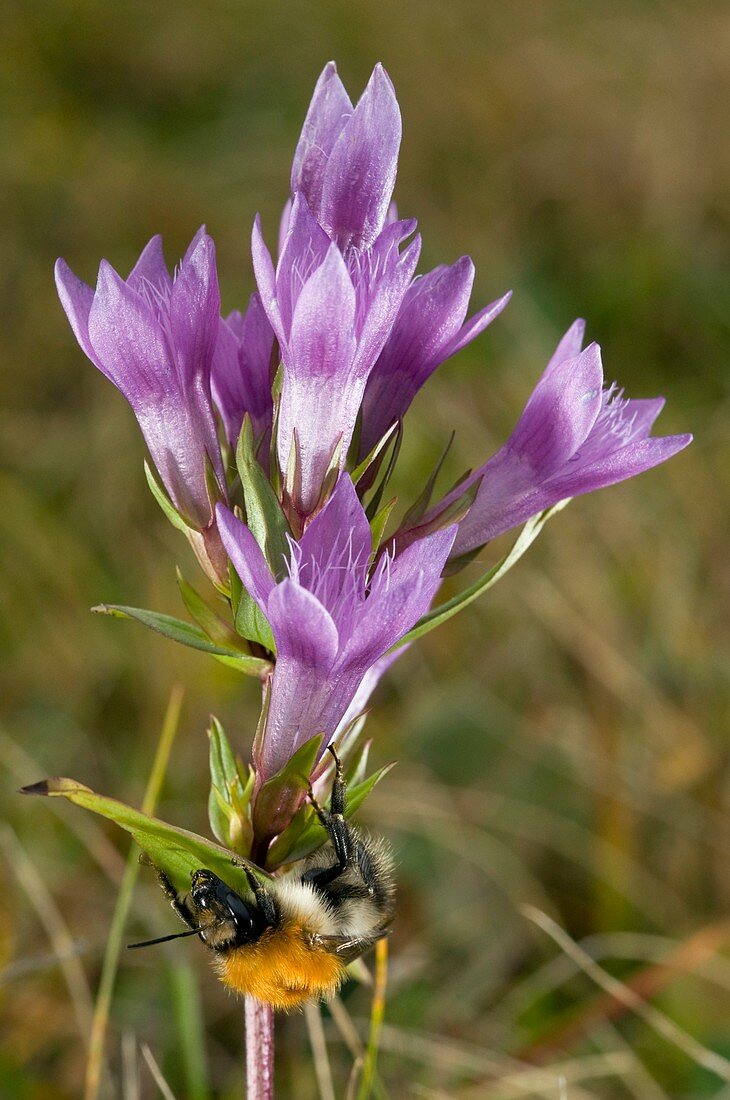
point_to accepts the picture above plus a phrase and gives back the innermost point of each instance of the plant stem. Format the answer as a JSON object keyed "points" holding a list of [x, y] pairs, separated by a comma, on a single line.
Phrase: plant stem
{"points": [[259, 1050]]}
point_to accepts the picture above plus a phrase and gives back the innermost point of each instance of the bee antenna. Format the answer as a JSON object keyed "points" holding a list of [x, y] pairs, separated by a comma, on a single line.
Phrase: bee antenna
{"points": [[164, 939]]}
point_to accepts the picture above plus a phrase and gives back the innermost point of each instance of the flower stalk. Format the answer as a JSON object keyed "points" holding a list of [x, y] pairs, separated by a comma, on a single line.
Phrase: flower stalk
{"points": [[259, 1050]]}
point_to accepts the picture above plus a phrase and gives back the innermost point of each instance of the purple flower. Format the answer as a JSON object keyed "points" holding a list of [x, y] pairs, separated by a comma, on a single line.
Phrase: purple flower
{"points": [[153, 336], [332, 617], [241, 372], [575, 435], [430, 328], [346, 160], [331, 315]]}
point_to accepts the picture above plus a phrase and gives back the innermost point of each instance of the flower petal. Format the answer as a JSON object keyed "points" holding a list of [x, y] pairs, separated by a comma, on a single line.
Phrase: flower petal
{"points": [[328, 112], [246, 555], [360, 173], [559, 414], [263, 269], [341, 520], [195, 310], [76, 298], [401, 592], [305, 248], [151, 269]]}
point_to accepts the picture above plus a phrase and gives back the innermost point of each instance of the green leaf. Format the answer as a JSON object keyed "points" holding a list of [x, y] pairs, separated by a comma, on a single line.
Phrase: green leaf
{"points": [[419, 506], [378, 524], [374, 455], [228, 802], [187, 634], [176, 851], [175, 518], [251, 622], [213, 626], [447, 610], [264, 516], [306, 834], [374, 504]]}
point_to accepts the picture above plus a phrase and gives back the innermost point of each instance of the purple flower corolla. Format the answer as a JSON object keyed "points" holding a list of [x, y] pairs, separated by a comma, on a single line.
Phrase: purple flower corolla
{"points": [[153, 336], [346, 159], [431, 327], [331, 315], [575, 435], [331, 617], [241, 372]]}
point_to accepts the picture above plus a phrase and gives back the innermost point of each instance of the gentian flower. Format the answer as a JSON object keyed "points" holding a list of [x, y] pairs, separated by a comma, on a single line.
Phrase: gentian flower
{"points": [[153, 336], [331, 315], [242, 372], [429, 329], [346, 159], [575, 435], [331, 616]]}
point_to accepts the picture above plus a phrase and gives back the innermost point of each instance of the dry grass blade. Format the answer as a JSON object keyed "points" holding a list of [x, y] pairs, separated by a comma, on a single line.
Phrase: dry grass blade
{"points": [[627, 996], [377, 1016], [61, 940], [156, 1072], [318, 1044]]}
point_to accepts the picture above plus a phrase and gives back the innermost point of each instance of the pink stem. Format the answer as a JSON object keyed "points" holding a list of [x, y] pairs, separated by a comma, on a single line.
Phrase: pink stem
{"points": [[259, 1050]]}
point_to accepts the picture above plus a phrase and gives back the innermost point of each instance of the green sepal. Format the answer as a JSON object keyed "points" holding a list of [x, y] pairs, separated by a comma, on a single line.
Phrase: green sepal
{"points": [[447, 610], [422, 501], [305, 834], [375, 454], [264, 516], [374, 503], [230, 794], [187, 634], [171, 512], [378, 524], [210, 622], [175, 851], [279, 795]]}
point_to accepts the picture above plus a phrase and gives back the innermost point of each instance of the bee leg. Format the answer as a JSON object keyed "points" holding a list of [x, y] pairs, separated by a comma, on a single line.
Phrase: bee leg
{"points": [[180, 905], [264, 900], [337, 828]]}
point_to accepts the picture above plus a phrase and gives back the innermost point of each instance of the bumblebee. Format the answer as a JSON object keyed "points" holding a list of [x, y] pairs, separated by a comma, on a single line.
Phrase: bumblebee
{"points": [[293, 941]]}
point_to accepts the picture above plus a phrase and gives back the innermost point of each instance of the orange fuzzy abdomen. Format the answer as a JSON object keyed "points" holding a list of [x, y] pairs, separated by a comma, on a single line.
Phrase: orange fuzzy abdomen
{"points": [[282, 969]]}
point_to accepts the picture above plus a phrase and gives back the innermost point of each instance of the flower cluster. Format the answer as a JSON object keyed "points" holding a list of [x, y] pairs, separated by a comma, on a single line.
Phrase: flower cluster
{"points": [[274, 433]]}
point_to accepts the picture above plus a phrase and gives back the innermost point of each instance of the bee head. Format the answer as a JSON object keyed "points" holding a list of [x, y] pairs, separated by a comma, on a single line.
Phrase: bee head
{"points": [[223, 907]]}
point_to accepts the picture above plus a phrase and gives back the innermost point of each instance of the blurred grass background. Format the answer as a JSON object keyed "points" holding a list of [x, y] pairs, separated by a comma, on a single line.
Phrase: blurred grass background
{"points": [[563, 744]]}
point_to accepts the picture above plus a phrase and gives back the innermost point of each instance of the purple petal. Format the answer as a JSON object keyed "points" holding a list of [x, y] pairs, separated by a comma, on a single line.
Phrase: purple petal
{"points": [[328, 112], [643, 412], [246, 555], [342, 518], [633, 459], [127, 340], [263, 269], [305, 248], [559, 414], [151, 269], [475, 326], [76, 298], [360, 173], [195, 310], [569, 346], [400, 594], [307, 643], [319, 398], [388, 296], [241, 372]]}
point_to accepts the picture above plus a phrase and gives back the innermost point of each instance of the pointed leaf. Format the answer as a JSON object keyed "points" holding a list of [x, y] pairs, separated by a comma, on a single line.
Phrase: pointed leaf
{"points": [[378, 524], [363, 467], [264, 516], [176, 851], [419, 506], [447, 610], [214, 627], [187, 634]]}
